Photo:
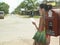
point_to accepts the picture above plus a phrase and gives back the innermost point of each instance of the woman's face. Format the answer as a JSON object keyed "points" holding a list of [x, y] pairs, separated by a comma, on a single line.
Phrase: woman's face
{"points": [[41, 11]]}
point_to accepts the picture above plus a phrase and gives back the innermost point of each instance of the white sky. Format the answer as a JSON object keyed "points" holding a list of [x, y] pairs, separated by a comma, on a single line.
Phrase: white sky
{"points": [[12, 3]]}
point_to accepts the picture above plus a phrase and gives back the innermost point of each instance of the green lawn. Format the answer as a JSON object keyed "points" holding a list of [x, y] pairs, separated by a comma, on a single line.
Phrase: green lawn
{"points": [[27, 16]]}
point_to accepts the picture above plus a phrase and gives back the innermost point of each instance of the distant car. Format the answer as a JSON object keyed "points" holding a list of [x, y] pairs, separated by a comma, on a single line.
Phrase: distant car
{"points": [[1, 14]]}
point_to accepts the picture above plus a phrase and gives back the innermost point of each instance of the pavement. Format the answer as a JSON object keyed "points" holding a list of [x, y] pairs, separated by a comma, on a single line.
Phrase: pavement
{"points": [[15, 30]]}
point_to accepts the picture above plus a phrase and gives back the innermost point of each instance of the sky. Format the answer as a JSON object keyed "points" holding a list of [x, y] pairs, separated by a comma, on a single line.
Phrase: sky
{"points": [[12, 3]]}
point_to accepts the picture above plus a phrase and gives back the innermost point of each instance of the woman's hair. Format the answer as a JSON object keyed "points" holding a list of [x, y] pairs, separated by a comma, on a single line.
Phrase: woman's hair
{"points": [[42, 6], [50, 7], [46, 7]]}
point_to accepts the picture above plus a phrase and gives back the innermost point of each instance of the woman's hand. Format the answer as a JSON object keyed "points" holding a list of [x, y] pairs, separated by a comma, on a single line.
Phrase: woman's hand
{"points": [[34, 23]]}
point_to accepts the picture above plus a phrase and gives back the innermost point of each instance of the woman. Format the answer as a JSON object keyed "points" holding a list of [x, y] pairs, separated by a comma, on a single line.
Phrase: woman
{"points": [[41, 38]]}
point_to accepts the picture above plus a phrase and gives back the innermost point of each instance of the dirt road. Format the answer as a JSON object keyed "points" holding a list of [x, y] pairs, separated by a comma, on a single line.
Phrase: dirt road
{"points": [[16, 30]]}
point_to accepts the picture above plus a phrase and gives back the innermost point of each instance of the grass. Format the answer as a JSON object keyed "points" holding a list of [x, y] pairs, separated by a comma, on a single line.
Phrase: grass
{"points": [[27, 16], [36, 16]]}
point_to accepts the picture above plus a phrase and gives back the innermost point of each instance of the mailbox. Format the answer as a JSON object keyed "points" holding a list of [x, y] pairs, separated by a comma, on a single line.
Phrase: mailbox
{"points": [[52, 22]]}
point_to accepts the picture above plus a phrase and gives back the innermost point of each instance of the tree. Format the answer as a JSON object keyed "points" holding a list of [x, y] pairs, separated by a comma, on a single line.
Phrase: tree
{"points": [[28, 5], [4, 7], [32, 5]]}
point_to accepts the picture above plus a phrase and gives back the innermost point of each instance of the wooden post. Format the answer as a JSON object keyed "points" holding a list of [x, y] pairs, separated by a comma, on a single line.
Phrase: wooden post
{"points": [[59, 40]]}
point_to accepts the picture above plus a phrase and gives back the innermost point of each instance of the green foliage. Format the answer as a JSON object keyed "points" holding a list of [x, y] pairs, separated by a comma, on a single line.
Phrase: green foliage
{"points": [[30, 4], [4, 7], [27, 5]]}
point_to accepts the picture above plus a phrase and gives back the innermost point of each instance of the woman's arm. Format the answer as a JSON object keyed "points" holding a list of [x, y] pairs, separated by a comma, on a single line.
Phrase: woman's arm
{"points": [[35, 25], [40, 28], [41, 24]]}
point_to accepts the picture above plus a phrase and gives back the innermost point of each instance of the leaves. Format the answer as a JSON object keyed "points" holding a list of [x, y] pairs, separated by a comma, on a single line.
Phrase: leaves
{"points": [[27, 5], [4, 7]]}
